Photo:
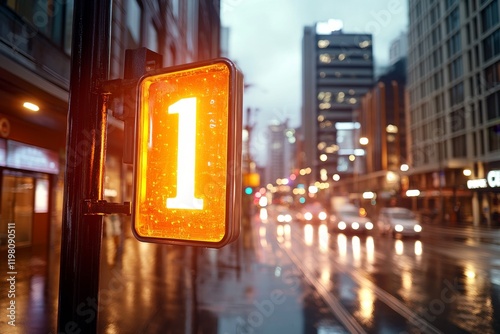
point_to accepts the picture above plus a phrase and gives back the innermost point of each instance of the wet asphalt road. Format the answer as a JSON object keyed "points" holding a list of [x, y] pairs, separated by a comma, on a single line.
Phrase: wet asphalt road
{"points": [[447, 281], [296, 278]]}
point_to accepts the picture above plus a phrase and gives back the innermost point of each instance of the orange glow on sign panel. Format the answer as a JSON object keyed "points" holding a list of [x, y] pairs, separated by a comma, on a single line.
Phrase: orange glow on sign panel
{"points": [[188, 131]]}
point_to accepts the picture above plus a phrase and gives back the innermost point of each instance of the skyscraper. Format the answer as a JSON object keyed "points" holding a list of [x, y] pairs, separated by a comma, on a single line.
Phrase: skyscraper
{"points": [[454, 107], [337, 72]]}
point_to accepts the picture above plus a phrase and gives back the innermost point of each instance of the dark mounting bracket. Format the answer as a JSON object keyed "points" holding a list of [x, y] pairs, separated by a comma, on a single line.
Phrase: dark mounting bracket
{"points": [[137, 63], [102, 207]]}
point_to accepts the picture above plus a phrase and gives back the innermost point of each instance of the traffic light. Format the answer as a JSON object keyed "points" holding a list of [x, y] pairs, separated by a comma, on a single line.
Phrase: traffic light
{"points": [[187, 178]]}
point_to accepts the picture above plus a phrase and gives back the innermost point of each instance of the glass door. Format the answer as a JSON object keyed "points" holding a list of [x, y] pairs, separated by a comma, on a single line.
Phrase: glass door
{"points": [[17, 206]]}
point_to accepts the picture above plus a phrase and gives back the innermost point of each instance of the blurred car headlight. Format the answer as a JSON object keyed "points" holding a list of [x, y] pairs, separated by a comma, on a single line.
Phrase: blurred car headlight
{"points": [[417, 228], [308, 216], [281, 218], [322, 215], [288, 218], [369, 226], [342, 225], [355, 226], [398, 228]]}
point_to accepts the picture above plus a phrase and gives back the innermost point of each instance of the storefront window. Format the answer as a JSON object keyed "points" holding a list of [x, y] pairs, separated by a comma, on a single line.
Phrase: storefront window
{"points": [[17, 207]]}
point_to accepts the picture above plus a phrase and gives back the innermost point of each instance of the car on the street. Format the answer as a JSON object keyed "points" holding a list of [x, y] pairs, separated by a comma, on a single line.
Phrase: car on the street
{"points": [[313, 212], [398, 221], [283, 214], [349, 218]]}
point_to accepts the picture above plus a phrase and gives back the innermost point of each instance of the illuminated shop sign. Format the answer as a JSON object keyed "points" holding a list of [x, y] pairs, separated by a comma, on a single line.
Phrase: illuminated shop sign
{"points": [[23, 156], [14, 154], [492, 180]]}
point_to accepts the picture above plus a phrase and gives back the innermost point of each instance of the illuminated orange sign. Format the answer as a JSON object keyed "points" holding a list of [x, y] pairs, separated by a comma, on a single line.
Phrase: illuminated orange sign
{"points": [[188, 155]]}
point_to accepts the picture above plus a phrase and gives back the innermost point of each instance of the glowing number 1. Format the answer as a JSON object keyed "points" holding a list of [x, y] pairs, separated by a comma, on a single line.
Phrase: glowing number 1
{"points": [[186, 152]]}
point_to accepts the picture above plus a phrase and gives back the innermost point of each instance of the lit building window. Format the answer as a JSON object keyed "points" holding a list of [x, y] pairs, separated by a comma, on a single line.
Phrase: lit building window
{"points": [[323, 43], [364, 44], [325, 124], [325, 58], [324, 96], [391, 128], [340, 97], [332, 149]]}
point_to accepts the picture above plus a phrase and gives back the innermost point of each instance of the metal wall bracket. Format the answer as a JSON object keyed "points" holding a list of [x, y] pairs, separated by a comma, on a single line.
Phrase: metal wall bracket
{"points": [[137, 63], [102, 207]]}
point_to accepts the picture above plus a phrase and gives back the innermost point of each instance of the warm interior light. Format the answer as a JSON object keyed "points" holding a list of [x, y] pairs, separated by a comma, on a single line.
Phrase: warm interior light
{"points": [[363, 141], [31, 106], [391, 128]]}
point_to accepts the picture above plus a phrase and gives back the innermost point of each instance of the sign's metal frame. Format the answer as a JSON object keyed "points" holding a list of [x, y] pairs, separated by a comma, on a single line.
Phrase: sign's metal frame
{"points": [[233, 164]]}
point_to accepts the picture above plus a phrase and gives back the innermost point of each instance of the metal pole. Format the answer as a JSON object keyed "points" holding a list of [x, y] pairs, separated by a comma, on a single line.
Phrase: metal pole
{"points": [[85, 157]]}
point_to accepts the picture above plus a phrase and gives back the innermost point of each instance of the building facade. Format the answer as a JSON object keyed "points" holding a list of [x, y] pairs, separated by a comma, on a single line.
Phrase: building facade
{"points": [[337, 72], [398, 48], [281, 148], [35, 41], [382, 115], [35, 47], [453, 110]]}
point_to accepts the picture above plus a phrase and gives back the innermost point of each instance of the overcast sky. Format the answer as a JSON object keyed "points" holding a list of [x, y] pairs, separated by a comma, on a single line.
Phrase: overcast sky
{"points": [[265, 40]]}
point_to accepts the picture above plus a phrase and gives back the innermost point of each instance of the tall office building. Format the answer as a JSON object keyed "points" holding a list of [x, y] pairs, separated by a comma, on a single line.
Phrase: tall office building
{"points": [[337, 72], [454, 107]]}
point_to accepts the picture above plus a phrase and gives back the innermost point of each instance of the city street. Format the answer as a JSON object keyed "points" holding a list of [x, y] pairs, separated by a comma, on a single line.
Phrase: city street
{"points": [[448, 281], [250, 167], [295, 278]]}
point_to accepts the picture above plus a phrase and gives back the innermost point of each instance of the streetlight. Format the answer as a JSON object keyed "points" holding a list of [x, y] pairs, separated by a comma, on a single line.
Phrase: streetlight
{"points": [[363, 141]]}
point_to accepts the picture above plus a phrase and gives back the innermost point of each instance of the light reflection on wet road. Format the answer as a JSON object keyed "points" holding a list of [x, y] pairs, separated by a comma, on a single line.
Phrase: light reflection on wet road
{"points": [[401, 285]]}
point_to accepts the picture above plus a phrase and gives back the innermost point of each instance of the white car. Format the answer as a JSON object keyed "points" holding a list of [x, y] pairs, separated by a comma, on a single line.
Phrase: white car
{"points": [[398, 221], [313, 212], [351, 219], [284, 216]]}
